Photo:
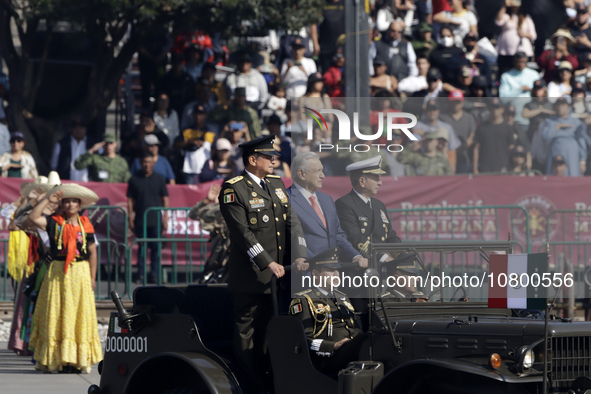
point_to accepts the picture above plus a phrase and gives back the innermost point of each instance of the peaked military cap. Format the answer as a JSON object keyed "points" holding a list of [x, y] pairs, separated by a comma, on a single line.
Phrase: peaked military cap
{"points": [[263, 145], [405, 262], [328, 259], [367, 166]]}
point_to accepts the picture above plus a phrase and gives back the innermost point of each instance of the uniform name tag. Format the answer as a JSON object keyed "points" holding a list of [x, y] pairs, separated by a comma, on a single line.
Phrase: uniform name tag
{"points": [[281, 195], [257, 203], [362, 218], [103, 174]]}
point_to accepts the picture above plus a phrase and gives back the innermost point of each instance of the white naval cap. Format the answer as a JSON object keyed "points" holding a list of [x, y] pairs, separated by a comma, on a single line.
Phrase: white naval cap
{"points": [[367, 166]]}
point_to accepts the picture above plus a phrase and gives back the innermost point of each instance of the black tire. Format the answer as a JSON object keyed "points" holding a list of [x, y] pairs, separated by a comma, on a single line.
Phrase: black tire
{"points": [[185, 391]]}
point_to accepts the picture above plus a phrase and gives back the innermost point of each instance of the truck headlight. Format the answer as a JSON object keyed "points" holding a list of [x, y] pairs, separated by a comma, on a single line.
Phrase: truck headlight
{"points": [[528, 358]]}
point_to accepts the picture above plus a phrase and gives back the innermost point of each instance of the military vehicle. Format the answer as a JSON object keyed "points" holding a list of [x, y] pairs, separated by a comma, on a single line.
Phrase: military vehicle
{"points": [[179, 340]]}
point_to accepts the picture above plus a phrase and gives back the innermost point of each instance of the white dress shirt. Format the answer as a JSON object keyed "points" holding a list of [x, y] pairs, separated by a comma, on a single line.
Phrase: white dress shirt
{"points": [[307, 196]]}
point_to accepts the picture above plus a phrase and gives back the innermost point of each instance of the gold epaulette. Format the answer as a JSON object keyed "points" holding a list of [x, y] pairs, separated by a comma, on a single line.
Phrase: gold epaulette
{"points": [[273, 176], [234, 180], [301, 293]]}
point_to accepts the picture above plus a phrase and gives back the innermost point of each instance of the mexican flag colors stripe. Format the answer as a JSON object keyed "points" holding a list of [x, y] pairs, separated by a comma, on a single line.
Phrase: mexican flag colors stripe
{"points": [[515, 281]]}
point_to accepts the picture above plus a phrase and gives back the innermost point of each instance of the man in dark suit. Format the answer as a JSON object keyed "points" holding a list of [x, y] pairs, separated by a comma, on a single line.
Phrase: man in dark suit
{"points": [[261, 224], [317, 211], [365, 218]]}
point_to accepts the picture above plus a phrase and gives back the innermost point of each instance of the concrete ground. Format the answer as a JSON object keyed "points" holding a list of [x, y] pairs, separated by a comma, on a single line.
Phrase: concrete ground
{"points": [[18, 375]]}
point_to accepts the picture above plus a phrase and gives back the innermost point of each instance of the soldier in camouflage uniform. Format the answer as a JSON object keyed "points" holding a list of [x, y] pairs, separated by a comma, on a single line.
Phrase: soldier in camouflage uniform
{"points": [[109, 167], [210, 218], [431, 161], [237, 111]]}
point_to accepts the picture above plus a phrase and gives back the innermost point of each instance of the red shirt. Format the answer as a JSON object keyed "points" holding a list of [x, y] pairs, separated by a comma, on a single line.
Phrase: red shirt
{"points": [[332, 81], [549, 63], [441, 5]]}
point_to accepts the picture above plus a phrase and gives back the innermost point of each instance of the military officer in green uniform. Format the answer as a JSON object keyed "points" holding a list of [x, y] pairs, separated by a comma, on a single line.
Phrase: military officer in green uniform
{"points": [[237, 111], [109, 167], [262, 226], [431, 161], [334, 334], [363, 217]]}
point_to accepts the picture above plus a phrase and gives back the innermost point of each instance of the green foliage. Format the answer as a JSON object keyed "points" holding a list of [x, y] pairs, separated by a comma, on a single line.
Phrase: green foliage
{"points": [[237, 18], [230, 17]]}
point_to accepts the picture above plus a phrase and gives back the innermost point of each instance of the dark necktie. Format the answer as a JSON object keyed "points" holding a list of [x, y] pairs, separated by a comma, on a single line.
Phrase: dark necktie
{"points": [[264, 186], [332, 297]]}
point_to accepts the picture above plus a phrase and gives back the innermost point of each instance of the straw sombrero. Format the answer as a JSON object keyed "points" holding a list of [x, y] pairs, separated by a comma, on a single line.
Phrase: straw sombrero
{"points": [[563, 33], [45, 183], [24, 186], [40, 182], [73, 190]]}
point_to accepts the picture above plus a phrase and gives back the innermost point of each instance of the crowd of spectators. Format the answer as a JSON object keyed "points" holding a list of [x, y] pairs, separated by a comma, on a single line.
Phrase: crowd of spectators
{"points": [[493, 103]]}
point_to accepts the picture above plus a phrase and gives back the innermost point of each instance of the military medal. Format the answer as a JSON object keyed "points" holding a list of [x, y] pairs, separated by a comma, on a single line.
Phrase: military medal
{"points": [[265, 218], [281, 195], [253, 220], [362, 231], [254, 194], [257, 203], [384, 217]]}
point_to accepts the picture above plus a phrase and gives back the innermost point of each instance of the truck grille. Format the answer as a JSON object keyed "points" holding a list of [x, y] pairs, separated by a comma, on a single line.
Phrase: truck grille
{"points": [[571, 358]]}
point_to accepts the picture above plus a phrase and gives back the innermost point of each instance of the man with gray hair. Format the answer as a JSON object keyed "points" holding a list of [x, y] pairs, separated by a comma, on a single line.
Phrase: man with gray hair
{"points": [[317, 211]]}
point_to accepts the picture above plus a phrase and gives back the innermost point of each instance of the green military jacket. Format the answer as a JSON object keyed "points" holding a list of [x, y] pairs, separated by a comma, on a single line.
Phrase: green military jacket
{"points": [[423, 164], [104, 169], [263, 228], [227, 113], [325, 321]]}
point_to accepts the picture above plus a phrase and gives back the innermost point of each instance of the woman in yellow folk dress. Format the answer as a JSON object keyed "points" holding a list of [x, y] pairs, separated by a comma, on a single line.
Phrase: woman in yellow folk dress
{"points": [[65, 334]]}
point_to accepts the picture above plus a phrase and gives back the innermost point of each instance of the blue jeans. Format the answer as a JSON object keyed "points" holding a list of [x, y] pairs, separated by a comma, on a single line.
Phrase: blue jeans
{"points": [[151, 232]]}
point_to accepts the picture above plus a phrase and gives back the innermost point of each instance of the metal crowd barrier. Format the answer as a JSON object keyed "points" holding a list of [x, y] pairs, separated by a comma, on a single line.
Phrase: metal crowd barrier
{"points": [[108, 213], [558, 220], [186, 270], [460, 224], [571, 258]]}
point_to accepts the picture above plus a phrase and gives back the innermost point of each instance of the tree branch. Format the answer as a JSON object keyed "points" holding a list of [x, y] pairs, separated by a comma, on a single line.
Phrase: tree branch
{"points": [[39, 75], [6, 43]]}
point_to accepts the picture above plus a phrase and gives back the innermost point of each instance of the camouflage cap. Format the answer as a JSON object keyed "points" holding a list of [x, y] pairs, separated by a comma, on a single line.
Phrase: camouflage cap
{"points": [[109, 138]]}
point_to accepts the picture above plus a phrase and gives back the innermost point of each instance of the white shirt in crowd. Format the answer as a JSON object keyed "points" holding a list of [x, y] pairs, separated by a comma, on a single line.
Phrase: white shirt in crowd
{"points": [[169, 124], [412, 84], [466, 19], [295, 79], [4, 139], [78, 149]]}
